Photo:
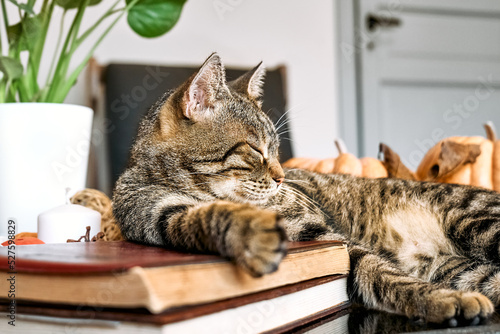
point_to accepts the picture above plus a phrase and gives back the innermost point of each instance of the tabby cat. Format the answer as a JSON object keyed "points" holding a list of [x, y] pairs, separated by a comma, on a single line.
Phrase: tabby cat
{"points": [[204, 176]]}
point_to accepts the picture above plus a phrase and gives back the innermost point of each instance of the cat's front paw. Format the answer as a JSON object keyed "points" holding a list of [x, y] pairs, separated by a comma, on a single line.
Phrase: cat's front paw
{"points": [[452, 307], [258, 241]]}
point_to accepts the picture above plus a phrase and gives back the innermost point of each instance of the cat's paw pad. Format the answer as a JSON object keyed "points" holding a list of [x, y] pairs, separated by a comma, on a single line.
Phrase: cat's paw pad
{"points": [[262, 243], [452, 308]]}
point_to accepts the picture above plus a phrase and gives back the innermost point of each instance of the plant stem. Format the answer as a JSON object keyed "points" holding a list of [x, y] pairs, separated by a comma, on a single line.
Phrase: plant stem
{"points": [[11, 92], [3, 86], [59, 40], [1, 44], [5, 17], [16, 54], [65, 56], [3, 81], [25, 82], [72, 78], [23, 91], [76, 30], [35, 55], [6, 23], [108, 13]]}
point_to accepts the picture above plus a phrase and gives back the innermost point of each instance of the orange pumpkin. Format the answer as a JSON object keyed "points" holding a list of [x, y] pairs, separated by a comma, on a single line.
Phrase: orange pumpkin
{"points": [[24, 241], [373, 168], [26, 234], [344, 163], [495, 164], [460, 160], [303, 163]]}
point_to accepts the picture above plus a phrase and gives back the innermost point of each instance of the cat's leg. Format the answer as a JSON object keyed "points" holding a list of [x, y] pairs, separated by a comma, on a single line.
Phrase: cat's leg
{"points": [[252, 237], [378, 284], [483, 278], [461, 273], [472, 221]]}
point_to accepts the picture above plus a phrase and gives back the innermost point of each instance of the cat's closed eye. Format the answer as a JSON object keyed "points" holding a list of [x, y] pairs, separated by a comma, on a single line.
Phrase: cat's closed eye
{"points": [[256, 149]]}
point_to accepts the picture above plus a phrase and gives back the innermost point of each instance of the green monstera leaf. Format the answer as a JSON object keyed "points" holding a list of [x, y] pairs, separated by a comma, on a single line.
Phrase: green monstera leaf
{"points": [[153, 18], [25, 33], [27, 8], [11, 68], [70, 4]]}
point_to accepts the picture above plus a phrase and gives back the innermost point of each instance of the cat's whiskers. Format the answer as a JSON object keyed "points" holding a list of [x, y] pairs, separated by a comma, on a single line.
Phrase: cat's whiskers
{"points": [[264, 192], [284, 132], [307, 183], [253, 200], [289, 139], [294, 198], [286, 122], [253, 196], [278, 125], [298, 193], [288, 111], [305, 200], [304, 197]]}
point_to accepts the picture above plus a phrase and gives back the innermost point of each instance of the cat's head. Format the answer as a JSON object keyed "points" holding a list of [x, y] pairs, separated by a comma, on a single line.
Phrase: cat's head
{"points": [[219, 135]]}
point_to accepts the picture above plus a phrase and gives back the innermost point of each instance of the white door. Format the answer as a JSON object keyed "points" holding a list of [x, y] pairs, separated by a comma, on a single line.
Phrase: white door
{"points": [[429, 69]]}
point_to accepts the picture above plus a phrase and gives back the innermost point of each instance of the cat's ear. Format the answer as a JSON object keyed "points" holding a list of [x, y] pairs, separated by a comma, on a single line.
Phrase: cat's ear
{"points": [[251, 83], [201, 94], [453, 156]]}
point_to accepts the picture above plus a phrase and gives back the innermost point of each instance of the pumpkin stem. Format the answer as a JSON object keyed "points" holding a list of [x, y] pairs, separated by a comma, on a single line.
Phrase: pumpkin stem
{"points": [[339, 143], [491, 133]]}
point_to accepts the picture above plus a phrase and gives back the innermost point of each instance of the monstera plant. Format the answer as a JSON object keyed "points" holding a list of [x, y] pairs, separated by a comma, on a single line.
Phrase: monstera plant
{"points": [[20, 58], [44, 143]]}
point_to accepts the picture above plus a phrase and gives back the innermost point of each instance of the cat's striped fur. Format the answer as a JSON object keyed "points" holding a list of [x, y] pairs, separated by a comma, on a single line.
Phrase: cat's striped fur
{"points": [[204, 176]]}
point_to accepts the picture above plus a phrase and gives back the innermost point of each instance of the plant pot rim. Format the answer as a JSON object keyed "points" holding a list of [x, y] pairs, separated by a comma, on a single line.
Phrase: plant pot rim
{"points": [[48, 106], [45, 103]]}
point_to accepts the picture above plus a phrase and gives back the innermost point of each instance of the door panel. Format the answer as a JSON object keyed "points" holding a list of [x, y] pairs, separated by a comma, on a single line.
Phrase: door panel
{"points": [[440, 110], [415, 76], [424, 35]]}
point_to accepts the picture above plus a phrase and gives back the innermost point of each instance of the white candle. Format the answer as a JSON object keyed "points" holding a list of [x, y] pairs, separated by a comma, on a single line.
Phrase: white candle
{"points": [[68, 221]]}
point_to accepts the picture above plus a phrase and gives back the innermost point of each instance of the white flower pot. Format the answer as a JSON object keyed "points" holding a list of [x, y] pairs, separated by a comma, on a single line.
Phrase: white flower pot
{"points": [[44, 149]]}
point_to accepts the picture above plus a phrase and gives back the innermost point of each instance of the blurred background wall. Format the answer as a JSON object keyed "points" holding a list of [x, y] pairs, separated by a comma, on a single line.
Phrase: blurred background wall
{"points": [[300, 35]]}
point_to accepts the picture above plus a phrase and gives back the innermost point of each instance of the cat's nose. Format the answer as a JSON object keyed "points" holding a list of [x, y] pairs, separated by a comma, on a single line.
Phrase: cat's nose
{"points": [[276, 172], [279, 180]]}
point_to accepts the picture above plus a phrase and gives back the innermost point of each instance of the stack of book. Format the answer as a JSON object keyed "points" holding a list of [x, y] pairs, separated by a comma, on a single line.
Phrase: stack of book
{"points": [[124, 287]]}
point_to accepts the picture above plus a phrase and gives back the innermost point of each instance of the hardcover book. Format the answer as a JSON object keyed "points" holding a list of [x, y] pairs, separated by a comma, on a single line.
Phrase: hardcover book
{"points": [[287, 309], [128, 275]]}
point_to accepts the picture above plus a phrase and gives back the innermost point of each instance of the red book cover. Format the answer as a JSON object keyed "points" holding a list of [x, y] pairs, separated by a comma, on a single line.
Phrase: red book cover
{"points": [[95, 257]]}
